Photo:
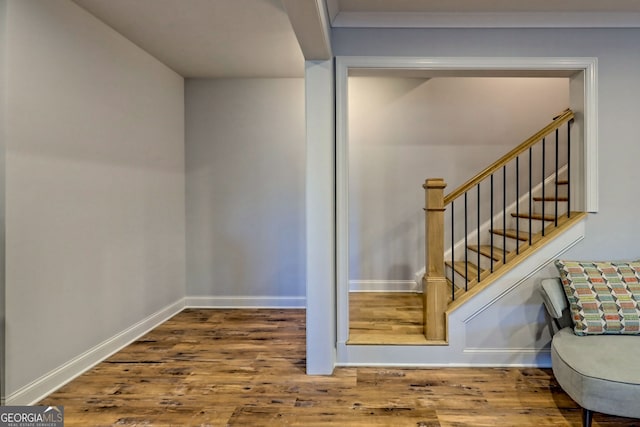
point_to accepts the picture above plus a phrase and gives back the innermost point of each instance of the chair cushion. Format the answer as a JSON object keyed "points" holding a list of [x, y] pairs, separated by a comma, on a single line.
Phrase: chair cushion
{"points": [[603, 296], [599, 372]]}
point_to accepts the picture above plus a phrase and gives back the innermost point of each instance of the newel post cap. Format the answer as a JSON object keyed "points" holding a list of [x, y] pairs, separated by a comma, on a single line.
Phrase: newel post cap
{"points": [[434, 183]]}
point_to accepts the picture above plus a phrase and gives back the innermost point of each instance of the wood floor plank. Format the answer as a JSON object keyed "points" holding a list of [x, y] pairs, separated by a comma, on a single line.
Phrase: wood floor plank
{"points": [[247, 368]]}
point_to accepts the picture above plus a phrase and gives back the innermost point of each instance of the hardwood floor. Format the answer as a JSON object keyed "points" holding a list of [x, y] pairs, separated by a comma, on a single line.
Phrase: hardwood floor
{"points": [[247, 368]]}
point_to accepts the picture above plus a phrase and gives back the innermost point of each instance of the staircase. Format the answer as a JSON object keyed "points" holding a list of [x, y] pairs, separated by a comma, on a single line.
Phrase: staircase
{"points": [[494, 221], [483, 260]]}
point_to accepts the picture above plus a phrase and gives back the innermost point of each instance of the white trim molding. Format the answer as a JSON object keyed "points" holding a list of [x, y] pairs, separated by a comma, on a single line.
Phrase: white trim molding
{"points": [[585, 67], [243, 302], [557, 19], [590, 144], [45, 385], [310, 22], [384, 286]]}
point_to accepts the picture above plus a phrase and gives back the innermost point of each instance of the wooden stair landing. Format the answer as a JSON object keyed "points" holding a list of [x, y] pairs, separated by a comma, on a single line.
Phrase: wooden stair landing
{"points": [[386, 318]]}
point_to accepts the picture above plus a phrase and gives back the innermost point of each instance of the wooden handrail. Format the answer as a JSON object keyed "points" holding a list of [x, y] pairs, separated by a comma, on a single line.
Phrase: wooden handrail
{"points": [[558, 121]]}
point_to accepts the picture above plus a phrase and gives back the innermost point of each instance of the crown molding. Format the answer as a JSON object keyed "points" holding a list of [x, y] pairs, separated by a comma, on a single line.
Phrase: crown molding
{"points": [[487, 20]]}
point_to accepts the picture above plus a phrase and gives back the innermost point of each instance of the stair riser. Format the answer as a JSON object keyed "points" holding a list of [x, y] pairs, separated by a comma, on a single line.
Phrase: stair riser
{"points": [[485, 239], [459, 280], [549, 208], [536, 225], [511, 244], [485, 262], [550, 190]]}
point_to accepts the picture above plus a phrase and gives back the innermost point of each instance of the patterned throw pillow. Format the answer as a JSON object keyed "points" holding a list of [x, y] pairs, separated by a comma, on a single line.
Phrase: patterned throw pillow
{"points": [[603, 296]]}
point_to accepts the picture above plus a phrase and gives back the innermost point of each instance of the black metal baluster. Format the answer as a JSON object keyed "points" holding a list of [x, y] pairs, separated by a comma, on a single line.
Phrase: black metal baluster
{"points": [[491, 225], [556, 201], [544, 177], [478, 234], [517, 204], [504, 213], [530, 195], [453, 258], [569, 168], [466, 251]]}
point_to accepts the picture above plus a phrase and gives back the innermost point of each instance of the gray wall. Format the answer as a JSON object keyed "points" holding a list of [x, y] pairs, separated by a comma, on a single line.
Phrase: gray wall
{"points": [[94, 186], [404, 130], [245, 149], [610, 233]]}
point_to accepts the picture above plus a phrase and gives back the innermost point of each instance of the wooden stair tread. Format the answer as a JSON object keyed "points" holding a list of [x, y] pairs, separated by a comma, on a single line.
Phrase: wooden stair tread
{"points": [[463, 268], [562, 182], [486, 251], [513, 234], [535, 216], [551, 199]]}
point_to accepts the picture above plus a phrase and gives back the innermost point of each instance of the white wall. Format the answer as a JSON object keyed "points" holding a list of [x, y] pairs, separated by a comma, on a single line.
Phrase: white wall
{"points": [[610, 234], [94, 186], [404, 130], [245, 192]]}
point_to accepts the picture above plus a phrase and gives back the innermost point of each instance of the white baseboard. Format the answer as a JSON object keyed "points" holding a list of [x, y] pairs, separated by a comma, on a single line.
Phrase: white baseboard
{"points": [[413, 356], [244, 302], [45, 385], [384, 286]]}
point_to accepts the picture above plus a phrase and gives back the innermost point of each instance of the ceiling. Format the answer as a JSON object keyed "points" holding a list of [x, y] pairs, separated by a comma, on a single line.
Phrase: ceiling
{"points": [[254, 38], [208, 38]]}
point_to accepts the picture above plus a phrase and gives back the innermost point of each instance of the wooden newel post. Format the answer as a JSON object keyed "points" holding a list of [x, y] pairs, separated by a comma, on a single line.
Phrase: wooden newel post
{"points": [[435, 292]]}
